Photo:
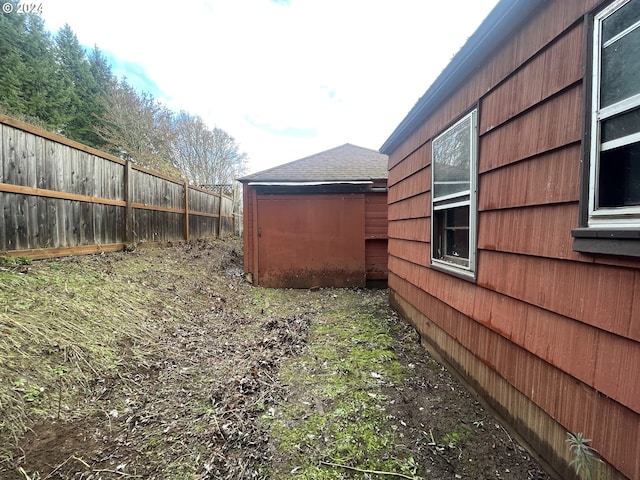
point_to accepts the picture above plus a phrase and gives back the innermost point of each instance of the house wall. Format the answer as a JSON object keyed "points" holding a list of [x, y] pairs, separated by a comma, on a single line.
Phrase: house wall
{"points": [[548, 335]]}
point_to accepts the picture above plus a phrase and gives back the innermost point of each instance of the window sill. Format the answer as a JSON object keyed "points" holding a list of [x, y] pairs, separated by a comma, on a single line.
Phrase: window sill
{"points": [[621, 242], [453, 270]]}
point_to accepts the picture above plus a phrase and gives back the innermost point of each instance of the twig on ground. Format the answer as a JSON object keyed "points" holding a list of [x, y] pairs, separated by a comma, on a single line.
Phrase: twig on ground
{"points": [[72, 457], [215, 419], [374, 472], [26, 475], [81, 461], [513, 445], [244, 467], [122, 474]]}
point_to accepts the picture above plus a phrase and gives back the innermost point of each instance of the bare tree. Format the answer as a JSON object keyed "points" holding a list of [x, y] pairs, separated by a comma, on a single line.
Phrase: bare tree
{"points": [[137, 127], [210, 158]]}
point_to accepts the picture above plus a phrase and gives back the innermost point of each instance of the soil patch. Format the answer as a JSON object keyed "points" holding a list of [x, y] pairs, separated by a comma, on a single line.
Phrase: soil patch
{"points": [[197, 374]]}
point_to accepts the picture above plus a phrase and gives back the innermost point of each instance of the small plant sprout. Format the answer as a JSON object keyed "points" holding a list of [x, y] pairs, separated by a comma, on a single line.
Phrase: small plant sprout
{"points": [[584, 456]]}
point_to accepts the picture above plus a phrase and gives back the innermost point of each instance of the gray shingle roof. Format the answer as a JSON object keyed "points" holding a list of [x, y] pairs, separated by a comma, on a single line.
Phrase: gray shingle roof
{"points": [[344, 163]]}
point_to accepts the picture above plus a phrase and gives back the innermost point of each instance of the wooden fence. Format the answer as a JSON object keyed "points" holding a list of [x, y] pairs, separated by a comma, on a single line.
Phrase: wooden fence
{"points": [[59, 197]]}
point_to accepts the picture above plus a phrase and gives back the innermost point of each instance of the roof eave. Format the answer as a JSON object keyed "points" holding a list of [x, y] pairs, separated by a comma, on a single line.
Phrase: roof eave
{"points": [[509, 13]]}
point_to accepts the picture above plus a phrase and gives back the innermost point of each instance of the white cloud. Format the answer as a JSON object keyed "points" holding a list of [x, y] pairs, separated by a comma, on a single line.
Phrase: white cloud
{"points": [[286, 80]]}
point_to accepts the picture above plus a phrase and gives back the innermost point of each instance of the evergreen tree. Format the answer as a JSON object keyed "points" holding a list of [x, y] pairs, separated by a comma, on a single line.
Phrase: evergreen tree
{"points": [[101, 71], [84, 107], [12, 66], [46, 90], [105, 82], [52, 82]]}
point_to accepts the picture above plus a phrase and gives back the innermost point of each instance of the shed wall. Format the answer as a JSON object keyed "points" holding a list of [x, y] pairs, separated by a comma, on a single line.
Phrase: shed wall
{"points": [[375, 236], [248, 230], [550, 336], [308, 239]]}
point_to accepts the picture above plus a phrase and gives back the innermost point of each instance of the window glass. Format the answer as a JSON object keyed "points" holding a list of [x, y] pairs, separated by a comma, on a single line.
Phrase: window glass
{"points": [[620, 20], [621, 126], [620, 69], [451, 157], [453, 240], [610, 206], [615, 176], [457, 233], [619, 184]]}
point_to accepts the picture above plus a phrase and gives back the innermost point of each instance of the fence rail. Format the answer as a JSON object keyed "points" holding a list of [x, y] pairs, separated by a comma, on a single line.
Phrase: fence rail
{"points": [[59, 197]]}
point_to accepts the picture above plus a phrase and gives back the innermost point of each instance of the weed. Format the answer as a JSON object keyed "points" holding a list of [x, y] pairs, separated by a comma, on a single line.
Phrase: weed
{"points": [[30, 393], [23, 261], [433, 365], [584, 456], [457, 436], [13, 261]]}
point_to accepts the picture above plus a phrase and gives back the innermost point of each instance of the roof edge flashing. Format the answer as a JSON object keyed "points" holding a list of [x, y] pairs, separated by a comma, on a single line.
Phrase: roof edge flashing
{"points": [[309, 184]]}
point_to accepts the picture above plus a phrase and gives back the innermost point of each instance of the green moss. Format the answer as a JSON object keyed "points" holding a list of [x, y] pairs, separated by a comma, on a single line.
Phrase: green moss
{"points": [[457, 436], [339, 415]]}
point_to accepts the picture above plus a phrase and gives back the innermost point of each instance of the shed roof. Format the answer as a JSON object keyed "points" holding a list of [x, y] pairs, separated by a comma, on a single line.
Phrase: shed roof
{"points": [[505, 18], [346, 163]]}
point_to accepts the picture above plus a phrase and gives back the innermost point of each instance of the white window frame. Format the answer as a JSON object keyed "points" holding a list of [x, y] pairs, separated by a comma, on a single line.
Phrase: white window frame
{"points": [[458, 199], [602, 217]]}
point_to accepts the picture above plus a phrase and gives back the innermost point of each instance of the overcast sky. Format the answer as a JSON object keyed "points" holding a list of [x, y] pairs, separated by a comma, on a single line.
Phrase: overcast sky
{"points": [[286, 79]]}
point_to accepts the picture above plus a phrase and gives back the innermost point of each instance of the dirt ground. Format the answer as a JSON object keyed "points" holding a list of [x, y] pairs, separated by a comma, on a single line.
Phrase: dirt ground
{"points": [[187, 398]]}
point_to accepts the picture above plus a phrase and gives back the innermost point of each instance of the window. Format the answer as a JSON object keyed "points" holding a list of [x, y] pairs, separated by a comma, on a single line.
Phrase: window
{"points": [[610, 217], [453, 190]]}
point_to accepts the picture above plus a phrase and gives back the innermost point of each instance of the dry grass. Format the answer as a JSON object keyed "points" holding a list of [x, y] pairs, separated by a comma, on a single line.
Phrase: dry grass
{"points": [[60, 330]]}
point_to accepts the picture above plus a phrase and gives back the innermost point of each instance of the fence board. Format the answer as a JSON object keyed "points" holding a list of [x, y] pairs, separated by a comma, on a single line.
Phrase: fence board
{"points": [[58, 197]]}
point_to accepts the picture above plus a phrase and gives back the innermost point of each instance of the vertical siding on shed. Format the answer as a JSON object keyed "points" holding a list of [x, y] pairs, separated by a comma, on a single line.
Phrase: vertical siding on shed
{"points": [[248, 231], [560, 328], [375, 235], [375, 215]]}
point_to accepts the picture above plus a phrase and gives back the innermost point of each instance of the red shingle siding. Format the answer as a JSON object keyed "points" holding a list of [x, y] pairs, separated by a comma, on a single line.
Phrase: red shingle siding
{"points": [[526, 231], [531, 372], [549, 178], [413, 184], [556, 123], [545, 75], [559, 327]]}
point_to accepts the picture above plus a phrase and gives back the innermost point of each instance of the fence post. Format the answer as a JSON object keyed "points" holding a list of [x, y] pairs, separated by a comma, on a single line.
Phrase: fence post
{"points": [[233, 210], [128, 201], [186, 210], [219, 212]]}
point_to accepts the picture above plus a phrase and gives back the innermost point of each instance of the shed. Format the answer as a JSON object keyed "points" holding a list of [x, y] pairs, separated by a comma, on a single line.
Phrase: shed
{"points": [[514, 232], [320, 221]]}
